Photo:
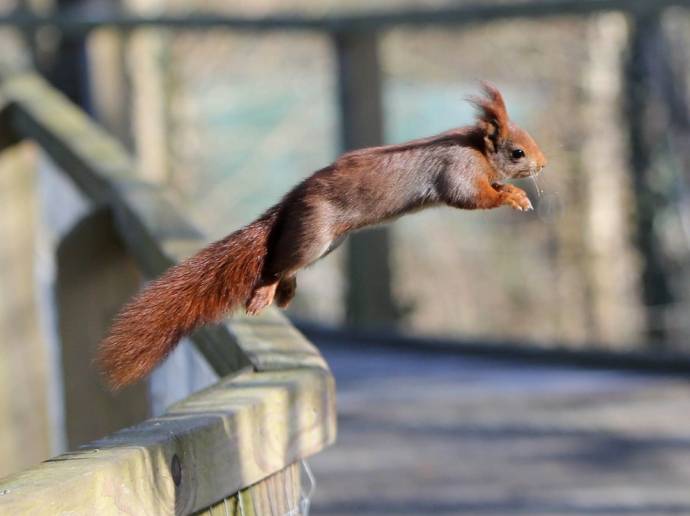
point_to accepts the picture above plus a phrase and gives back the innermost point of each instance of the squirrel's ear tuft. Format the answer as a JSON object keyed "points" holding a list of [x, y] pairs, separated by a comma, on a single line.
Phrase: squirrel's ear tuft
{"points": [[492, 117]]}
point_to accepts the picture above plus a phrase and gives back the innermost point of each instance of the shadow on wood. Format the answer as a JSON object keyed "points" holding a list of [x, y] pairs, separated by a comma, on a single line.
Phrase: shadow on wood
{"points": [[95, 276]]}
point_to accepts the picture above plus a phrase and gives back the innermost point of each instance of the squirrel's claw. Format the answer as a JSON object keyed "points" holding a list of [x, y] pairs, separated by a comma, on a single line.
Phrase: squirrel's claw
{"points": [[518, 200]]}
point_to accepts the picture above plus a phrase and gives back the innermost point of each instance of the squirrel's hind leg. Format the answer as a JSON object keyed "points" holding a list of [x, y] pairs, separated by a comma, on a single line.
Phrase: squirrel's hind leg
{"points": [[287, 287], [305, 237], [281, 291]]}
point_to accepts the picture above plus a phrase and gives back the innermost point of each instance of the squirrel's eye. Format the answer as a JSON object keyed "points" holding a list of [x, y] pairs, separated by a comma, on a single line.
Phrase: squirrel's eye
{"points": [[518, 153]]}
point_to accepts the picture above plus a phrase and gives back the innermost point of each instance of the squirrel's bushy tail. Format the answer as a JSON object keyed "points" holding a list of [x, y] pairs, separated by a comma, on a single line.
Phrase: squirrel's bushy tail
{"points": [[197, 291]]}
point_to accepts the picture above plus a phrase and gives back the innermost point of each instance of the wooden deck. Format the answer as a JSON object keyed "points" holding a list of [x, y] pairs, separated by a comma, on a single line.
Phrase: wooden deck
{"points": [[422, 433]]}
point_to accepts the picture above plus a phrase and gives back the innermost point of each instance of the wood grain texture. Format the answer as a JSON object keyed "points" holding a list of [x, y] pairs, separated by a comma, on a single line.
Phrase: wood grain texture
{"points": [[277, 495], [272, 343], [224, 439]]}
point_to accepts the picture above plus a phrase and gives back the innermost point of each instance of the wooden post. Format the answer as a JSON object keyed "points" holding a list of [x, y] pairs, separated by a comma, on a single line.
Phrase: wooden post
{"points": [[616, 313], [69, 70], [24, 8], [276, 495], [110, 85], [647, 117], [24, 422], [95, 276], [152, 71], [369, 297], [110, 89]]}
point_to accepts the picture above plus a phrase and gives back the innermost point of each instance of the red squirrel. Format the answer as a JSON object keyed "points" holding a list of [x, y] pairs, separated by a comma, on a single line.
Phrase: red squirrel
{"points": [[257, 264]]}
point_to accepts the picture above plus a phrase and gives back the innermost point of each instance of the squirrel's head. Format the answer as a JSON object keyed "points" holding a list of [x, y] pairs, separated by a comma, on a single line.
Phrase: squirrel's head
{"points": [[511, 150]]}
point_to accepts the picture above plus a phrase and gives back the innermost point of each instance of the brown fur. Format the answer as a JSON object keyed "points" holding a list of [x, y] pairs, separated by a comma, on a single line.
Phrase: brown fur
{"points": [[195, 292], [464, 168]]}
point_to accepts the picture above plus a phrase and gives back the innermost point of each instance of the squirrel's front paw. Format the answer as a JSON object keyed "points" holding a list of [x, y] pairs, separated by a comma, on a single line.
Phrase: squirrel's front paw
{"points": [[518, 200]]}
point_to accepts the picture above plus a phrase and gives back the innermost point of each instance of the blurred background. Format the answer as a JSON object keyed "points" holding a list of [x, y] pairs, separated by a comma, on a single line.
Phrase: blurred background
{"points": [[229, 119]]}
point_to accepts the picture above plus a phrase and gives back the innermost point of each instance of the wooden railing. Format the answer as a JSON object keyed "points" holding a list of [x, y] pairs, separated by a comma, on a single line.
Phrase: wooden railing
{"points": [[339, 22], [273, 406]]}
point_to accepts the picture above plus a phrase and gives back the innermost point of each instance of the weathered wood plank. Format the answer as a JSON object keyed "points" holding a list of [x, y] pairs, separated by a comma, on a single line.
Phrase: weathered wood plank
{"points": [[213, 444], [277, 495], [271, 342]]}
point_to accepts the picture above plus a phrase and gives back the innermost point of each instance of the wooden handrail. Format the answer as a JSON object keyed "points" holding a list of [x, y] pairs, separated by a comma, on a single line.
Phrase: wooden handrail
{"points": [[274, 406], [213, 444], [339, 22]]}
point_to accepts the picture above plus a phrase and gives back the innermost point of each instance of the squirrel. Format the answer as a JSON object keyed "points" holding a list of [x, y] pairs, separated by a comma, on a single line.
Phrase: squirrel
{"points": [[256, 265]]}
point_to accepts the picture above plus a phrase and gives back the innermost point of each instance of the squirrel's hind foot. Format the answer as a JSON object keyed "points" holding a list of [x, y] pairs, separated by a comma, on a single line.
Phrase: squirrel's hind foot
{"points": [[261, 297]]}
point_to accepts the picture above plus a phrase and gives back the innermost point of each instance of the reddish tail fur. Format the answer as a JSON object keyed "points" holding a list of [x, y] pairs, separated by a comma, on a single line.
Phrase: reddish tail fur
{"points": [[197, 291]]}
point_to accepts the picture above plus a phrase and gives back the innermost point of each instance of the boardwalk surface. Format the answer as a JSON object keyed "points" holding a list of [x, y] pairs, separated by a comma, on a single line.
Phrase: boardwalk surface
{"points": [[434, 434]]}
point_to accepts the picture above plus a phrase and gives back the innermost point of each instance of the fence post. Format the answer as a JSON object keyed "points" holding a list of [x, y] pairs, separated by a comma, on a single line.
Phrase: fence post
{"points": [[24, 403], [276, 495], [645, 108], [369, 298], [95, 276]]}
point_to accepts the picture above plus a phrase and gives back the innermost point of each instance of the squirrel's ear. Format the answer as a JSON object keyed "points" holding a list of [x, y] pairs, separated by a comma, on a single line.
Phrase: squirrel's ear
{"points": [[492, 117]]}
